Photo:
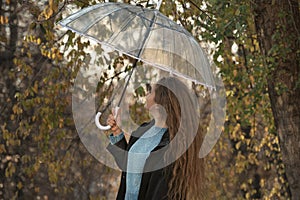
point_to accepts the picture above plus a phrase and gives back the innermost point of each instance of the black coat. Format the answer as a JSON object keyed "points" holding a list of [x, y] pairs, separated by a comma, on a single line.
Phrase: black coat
{"points": [[154, 184]]}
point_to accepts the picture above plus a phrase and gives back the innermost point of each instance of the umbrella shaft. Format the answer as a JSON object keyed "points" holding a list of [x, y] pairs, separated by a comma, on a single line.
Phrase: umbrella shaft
{"points": [[127, 82], [135, 61]]}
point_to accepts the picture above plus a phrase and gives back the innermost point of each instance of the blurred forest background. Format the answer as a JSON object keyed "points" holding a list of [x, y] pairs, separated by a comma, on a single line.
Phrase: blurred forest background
{"points": [[257, 52]]}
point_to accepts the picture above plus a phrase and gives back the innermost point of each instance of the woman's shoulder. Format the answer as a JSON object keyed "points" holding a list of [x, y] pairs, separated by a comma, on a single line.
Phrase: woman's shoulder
{"points": [[148, 123]]}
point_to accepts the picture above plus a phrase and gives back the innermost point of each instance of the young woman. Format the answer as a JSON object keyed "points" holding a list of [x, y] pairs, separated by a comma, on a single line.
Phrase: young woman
{"points": [[160, 160]]}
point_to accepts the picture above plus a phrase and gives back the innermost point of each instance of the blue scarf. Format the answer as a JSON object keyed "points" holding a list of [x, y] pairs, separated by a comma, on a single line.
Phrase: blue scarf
{"points": [[137, 156]]}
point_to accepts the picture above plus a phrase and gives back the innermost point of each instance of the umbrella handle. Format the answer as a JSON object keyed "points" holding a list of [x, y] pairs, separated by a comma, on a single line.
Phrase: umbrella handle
{"points": [[101, 127]]}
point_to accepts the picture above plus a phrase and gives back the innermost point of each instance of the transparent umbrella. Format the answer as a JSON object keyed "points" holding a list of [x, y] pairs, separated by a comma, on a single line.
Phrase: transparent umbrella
{"points": [[146, 35]]}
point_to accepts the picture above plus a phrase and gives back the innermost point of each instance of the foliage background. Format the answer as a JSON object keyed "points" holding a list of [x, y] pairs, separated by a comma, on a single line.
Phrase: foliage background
{"points": [[42, 156]]}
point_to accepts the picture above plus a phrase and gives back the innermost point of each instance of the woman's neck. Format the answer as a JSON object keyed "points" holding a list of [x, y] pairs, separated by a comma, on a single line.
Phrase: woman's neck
{"points": [[160, 124]]}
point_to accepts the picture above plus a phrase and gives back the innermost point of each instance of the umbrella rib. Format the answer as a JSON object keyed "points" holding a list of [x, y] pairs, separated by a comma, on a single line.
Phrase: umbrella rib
{"points": [[113, 36], [212, 79], [147, 36], [183, 31], [163, 44], [100, 18], [78, 14], [206, 75], [174, 43], [191, 47]]}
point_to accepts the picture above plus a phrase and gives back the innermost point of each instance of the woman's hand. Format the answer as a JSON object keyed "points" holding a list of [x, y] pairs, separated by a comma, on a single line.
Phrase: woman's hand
{"points": [[113, 124]]}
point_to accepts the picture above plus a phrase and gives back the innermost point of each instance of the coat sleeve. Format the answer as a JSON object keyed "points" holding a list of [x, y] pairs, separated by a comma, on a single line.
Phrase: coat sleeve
{"points": [[119, 152]]}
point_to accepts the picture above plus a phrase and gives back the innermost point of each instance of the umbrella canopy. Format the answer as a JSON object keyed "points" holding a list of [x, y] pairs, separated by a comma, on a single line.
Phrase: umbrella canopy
{"points": [[144, 34]]}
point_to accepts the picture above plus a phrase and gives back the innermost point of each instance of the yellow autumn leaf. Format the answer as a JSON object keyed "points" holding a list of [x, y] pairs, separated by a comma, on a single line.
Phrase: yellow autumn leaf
{"points": [[37, 189], [235, 73], [48, 12], [10, 169], [53, 56], [38, 41], [61, 122], [31, 38], [35, 87], [243, 186], [252, 79], [1, 19], [15, 109], [19, 185], [59, 56], [238, 145], [12, 117], [262, 182]]}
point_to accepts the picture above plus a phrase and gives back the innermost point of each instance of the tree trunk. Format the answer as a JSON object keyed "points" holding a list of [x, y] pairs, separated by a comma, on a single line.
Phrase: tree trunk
{"points": [[277, 25]]}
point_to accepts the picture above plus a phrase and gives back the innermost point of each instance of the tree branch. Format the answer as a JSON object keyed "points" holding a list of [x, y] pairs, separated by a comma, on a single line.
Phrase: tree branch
{"points": [[198, 8]]}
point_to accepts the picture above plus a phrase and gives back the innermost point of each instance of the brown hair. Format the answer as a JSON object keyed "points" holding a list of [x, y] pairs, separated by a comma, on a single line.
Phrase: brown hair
{"points": [[187, 177]]}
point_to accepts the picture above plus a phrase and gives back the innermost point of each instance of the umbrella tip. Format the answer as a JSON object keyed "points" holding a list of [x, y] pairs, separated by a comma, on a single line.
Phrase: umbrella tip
{"points": [[158, 4]]}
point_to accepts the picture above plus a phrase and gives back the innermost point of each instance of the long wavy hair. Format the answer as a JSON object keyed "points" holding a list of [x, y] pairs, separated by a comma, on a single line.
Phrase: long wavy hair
{"points": [[187, 180]]}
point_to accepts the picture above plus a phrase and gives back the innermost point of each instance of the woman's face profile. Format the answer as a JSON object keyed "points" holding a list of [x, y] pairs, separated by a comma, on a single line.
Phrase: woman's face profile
{"points": [[150, 97]]}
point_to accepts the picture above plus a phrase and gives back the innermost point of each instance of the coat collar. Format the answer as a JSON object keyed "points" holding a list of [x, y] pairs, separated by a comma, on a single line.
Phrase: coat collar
{"points": [[143, 128]]}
